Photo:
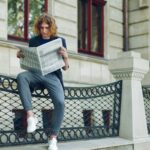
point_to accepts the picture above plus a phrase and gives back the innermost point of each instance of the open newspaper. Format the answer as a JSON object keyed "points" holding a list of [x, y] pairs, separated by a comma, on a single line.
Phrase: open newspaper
{"points": [[44, 58]]}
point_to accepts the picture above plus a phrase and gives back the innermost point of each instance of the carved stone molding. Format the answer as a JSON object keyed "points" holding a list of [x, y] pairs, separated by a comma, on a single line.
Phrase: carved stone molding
{"points": [[129, 75], [143, 3]]}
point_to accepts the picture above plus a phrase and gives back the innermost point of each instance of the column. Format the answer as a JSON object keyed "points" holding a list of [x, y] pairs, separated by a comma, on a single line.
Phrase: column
{"points": [[131, 68]]}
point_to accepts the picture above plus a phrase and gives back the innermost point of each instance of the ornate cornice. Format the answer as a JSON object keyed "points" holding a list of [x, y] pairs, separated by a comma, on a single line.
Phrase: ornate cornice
{"points": [[128, 75]]}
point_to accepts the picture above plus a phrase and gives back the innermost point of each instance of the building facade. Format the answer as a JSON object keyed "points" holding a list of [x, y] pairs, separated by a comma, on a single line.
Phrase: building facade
{"points": [[114, 26]]}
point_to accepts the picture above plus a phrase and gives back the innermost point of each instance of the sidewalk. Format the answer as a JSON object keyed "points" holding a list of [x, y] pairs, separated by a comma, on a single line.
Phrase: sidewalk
{"points": [[77, 145]]}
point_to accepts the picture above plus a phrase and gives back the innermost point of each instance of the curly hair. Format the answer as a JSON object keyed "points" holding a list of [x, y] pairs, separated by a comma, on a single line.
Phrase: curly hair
{"points": [[45, 18]]}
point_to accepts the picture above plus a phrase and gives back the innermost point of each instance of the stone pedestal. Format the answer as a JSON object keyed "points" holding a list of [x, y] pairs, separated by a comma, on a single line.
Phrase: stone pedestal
{"points": [[131, 68]]}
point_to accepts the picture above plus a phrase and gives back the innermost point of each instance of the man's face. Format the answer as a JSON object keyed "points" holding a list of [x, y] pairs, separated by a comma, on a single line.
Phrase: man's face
{"points": [[45, 30]]}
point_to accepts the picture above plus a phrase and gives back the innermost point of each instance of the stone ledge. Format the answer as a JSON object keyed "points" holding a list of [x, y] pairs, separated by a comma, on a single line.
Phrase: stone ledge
{"points": [[96, 144]]}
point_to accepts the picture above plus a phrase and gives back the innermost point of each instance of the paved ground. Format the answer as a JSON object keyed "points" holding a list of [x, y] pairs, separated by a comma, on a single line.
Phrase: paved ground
{"points": [[75, 145]]}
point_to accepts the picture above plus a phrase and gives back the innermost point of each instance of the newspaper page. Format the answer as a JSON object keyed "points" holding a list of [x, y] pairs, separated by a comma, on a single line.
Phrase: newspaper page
{"points": [[44, 58], [30, 61]]}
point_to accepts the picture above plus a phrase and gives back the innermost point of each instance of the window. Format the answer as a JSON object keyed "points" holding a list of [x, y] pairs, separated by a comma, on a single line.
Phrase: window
{"points": [[91, 26], [21, 16]]}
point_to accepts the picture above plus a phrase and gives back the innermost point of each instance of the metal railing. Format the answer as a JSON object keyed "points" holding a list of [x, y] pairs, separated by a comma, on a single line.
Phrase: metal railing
{"points": [[90, 112], [146, 95]]}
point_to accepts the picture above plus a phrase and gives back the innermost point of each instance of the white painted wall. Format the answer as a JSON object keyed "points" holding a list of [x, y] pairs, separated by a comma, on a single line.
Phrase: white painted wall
{"points": [[113, 28], [139, 27]]}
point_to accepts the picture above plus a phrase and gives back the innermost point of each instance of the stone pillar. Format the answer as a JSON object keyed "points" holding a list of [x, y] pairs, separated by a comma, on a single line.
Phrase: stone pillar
{"points": [[131, 68]]}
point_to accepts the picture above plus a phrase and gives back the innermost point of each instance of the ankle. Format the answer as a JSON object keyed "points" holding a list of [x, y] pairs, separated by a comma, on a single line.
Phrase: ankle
{"points": [[53, 137], [30, 114]]}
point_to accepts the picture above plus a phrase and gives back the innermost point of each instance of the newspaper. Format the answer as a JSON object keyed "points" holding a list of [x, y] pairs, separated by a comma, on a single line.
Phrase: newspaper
{"points": [[43, 59]]}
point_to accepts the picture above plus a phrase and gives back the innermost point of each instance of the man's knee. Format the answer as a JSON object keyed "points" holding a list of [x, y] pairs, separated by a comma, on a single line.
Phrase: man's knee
{"points": [[19, 76], [59, 102]]}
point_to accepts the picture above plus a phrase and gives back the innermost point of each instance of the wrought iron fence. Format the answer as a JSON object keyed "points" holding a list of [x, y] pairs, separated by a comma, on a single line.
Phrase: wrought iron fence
{"points": [[90, 112], [146, 95]]}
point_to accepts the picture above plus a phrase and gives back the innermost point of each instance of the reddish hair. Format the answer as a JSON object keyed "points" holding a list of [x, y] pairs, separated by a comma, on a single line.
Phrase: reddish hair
{"points": [[45, 18]]}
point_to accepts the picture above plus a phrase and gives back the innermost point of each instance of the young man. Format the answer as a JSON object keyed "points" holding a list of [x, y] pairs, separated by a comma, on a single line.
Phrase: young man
{"points": [[46, 30]]}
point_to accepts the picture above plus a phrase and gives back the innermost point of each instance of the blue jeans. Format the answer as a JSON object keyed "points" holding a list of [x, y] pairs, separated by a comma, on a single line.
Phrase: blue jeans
{"points": [[27, 80]]}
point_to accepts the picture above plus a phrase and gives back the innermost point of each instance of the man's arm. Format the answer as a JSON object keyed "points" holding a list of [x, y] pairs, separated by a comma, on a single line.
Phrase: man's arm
{"points": [[64, 54]]}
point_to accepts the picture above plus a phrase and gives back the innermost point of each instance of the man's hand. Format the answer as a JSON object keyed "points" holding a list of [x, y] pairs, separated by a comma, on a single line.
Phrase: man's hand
{"points": [[20, 54], [64, 54]]}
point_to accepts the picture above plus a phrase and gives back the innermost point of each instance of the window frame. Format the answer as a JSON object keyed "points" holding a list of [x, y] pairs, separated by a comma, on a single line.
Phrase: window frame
{"points": [[88, 50], [26, 22]]}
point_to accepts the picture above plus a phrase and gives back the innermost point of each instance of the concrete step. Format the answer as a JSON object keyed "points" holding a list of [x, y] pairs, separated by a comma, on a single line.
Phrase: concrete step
{"points": [[97, 144]]}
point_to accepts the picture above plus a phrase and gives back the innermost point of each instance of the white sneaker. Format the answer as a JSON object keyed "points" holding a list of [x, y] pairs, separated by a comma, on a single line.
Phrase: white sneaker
{"points": [[52, 144], [31, 124]]}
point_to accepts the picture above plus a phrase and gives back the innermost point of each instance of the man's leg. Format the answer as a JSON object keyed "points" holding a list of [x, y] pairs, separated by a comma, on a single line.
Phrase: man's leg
{"points": [[56, 92], [24, 81]]}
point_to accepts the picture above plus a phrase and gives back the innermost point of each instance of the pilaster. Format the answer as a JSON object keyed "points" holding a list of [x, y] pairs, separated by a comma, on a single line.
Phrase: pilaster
{"points": [[131, 68]]}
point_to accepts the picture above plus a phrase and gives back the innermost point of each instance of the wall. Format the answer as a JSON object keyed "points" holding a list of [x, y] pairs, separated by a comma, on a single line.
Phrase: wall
{"points": [[113, 28], [139, 30], [139, 27], [65, 12]]}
